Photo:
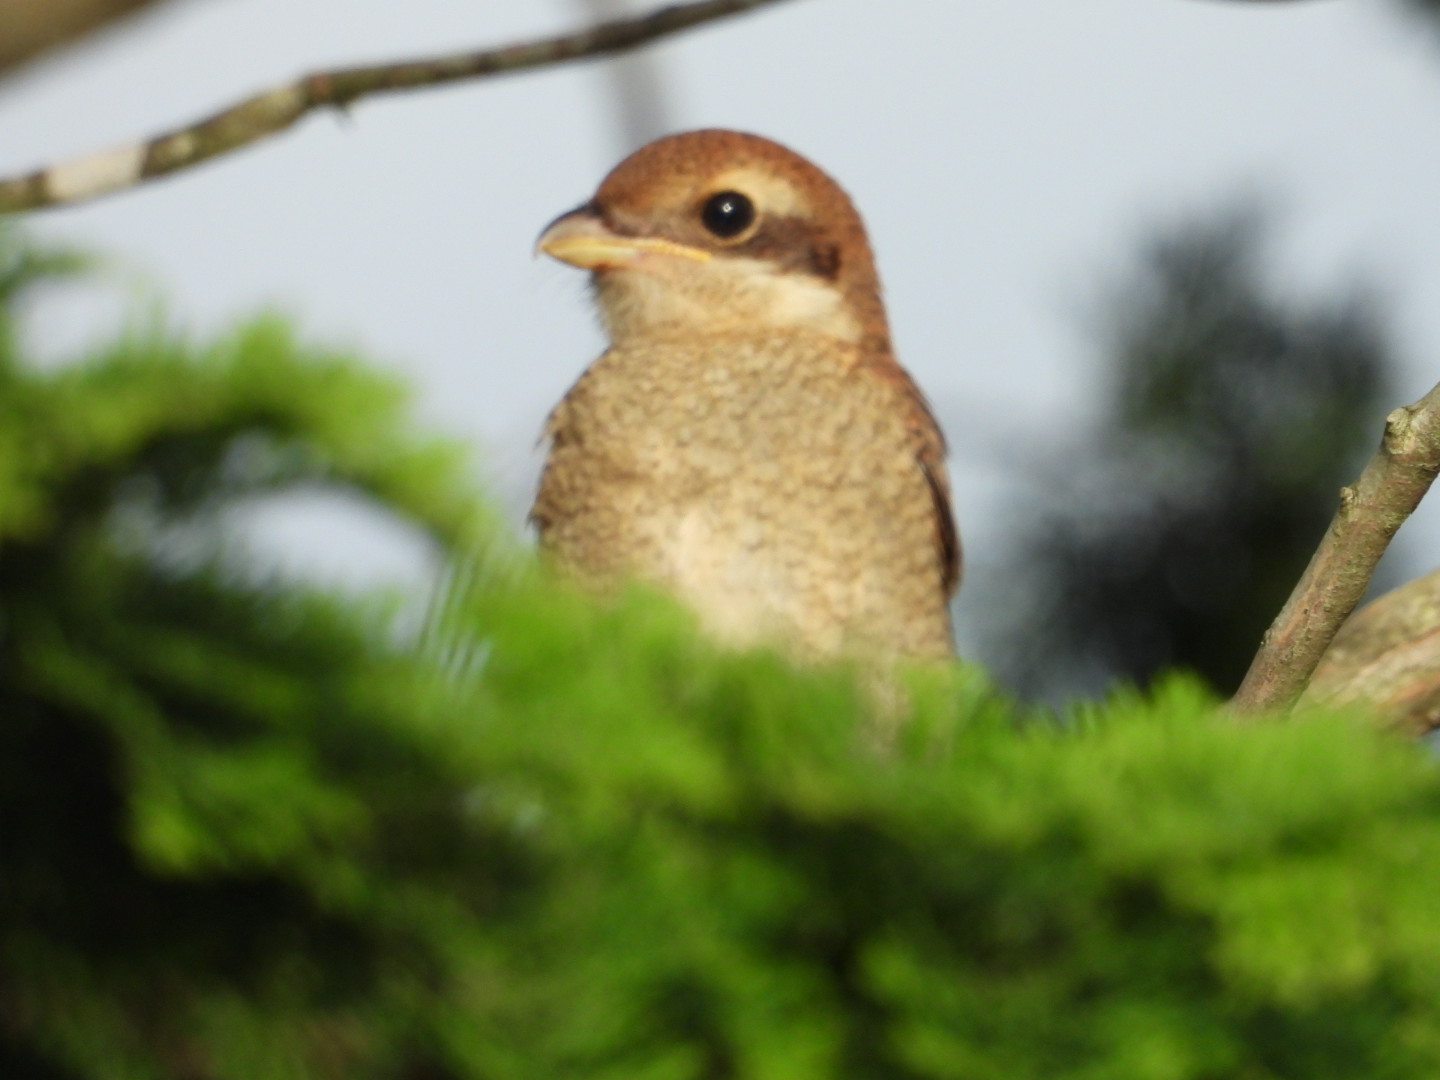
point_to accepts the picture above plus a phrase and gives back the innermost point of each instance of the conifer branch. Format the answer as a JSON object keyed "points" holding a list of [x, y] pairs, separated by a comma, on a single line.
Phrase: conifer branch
{"points": [[272, 111], [1371, 510]]}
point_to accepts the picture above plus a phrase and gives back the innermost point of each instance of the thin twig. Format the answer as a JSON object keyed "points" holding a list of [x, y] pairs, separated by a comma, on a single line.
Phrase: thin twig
{"points": [[274, 110], [1371, 510]]}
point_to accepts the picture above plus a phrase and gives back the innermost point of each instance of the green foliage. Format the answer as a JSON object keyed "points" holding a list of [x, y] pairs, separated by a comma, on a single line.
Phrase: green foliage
{"points": [[251, 832]]}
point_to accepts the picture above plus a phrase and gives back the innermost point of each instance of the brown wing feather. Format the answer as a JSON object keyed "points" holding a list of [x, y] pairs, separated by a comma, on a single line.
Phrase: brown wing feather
{"points": [[929, 445]]}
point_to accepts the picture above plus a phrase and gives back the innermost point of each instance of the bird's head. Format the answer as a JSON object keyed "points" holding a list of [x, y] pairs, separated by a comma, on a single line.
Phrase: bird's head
{"points": [[720, 232]]}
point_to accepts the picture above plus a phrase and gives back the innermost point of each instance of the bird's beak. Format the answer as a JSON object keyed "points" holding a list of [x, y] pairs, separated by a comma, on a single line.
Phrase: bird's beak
{"points": [[582, 239]]}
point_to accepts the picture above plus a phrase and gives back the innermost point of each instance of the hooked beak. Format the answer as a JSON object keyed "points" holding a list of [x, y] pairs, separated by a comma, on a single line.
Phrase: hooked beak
{"points": [[582, 239]]}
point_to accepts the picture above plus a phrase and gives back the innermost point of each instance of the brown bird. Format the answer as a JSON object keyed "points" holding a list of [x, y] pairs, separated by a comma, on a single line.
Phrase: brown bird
{"points": [[748, 441]]}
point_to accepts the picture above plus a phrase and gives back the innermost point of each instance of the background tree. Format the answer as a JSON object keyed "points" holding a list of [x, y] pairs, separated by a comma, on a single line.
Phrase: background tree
{"points": [[1232, 417], [1424, 8]]}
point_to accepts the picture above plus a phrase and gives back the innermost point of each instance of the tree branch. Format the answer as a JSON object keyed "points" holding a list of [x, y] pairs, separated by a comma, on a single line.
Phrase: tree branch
{"points": [[28, 30], [274, 110], [1371, 511]]}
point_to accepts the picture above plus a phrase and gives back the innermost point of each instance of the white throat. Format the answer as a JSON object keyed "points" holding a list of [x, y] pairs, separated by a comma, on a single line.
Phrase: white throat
{"points": [[723, 295]]}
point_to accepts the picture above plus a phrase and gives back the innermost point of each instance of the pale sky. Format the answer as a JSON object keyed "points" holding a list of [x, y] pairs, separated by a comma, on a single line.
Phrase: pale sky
{"points": [[1006, 155]]}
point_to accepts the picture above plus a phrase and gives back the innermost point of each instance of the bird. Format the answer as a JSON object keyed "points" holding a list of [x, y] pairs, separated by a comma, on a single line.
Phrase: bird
{"points": [[748, 441]]}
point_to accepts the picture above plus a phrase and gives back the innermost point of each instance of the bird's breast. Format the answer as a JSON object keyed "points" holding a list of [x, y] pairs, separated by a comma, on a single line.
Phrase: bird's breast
{"points": [[765, 481]]}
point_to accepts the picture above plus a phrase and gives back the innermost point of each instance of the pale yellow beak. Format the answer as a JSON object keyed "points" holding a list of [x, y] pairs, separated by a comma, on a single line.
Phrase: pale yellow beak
{"points": [[581, 239]]}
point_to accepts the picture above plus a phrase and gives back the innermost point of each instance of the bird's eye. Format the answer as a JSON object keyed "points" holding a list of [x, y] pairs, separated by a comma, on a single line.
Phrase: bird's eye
{"points": [[727, 214]]}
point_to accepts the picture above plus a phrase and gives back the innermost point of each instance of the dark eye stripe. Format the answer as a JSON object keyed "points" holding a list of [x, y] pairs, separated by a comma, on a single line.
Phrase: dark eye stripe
{"points": [[795, 244]]}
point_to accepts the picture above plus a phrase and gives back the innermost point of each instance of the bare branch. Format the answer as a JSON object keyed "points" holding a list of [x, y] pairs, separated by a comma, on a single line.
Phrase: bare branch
{"points": [[29, 30], [1387, 658], [274, 110], [1371, 511]]}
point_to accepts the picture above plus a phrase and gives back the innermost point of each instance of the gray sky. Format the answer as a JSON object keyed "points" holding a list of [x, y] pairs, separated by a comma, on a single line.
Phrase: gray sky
{"points": [[1005, 153]]}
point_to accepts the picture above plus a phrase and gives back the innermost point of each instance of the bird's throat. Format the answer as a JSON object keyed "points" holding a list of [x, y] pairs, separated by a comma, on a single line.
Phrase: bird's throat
{"points": [[724, 297]]}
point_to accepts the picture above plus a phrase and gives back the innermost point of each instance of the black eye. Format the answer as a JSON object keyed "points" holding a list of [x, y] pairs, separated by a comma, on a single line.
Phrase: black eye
{"points": [[727, 214]]}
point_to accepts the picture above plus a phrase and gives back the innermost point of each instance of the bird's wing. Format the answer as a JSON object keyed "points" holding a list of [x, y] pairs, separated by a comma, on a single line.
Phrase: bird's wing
{"points": [[928, 443]]}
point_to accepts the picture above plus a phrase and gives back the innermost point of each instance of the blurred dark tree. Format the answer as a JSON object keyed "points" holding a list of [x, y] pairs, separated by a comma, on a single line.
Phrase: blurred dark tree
{"points": [[1426, 8], [1232, 417]]}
